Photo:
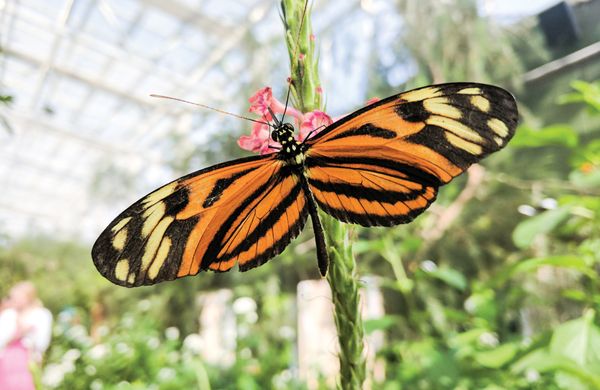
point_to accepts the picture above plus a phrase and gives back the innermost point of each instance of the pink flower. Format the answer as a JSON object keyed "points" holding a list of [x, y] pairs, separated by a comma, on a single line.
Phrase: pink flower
{"points": [[372, 100], [259, 140], [314, 121], [260, 101], [263, 99], [319, 89]]}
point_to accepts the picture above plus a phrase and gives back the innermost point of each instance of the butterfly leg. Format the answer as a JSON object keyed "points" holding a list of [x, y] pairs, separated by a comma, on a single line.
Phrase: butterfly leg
{"points": [[322, 257]]}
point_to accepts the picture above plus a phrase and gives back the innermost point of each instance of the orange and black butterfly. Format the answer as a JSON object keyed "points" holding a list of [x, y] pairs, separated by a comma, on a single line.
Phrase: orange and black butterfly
{"points": [[380, 166]]}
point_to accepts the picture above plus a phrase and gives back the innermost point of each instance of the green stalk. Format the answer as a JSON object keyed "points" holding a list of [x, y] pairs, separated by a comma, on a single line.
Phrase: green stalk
{"points": [[343, 281], [342, 275]]}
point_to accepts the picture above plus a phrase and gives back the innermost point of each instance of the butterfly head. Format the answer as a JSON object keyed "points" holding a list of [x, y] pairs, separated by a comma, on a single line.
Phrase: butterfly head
{"points": [[283, 133]]}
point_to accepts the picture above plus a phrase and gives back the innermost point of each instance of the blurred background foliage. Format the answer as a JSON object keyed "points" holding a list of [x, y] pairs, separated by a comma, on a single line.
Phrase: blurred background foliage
{"points": [[495, 287]]}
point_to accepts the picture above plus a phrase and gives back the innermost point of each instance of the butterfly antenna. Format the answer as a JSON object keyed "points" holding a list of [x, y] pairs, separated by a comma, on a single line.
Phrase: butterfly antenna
{"points": [[287, 99], [211, 108], [277, 122]]}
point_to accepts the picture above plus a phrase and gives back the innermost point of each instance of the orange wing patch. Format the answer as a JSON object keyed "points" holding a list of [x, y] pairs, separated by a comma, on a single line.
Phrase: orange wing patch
{"points": [[382, 165], [370, 191], [245, 211]]}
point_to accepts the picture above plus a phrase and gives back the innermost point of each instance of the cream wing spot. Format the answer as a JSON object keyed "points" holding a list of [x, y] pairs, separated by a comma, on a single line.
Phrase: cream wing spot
{"points": [[498, 127], [152, 216], [159, 260], [441, 106], [470, 91], [160, 194], [498, 140], [122, 269], [154, 241], [480, 103], [420, 94], [119, 240], [464, 145], [455, 127], [121, 224]]}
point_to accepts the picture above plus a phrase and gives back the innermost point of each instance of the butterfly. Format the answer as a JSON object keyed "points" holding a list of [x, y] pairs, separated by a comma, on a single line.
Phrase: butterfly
{"points": [[379, 166]]}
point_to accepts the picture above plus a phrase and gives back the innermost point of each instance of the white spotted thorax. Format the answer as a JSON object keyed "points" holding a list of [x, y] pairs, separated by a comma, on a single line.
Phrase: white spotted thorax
{"points": [[290, 149]]}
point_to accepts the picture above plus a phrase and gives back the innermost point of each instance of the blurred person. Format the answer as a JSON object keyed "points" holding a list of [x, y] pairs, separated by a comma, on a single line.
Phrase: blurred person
{"points": [[25, 331]]}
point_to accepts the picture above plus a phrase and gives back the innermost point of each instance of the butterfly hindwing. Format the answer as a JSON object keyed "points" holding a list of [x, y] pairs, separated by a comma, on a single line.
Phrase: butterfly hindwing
{"points": [[370, 191], [382, 165], [244, 211]]}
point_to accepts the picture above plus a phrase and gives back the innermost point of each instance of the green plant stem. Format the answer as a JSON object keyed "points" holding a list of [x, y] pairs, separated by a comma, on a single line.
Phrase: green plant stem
{"points": [[342, 275], [343, 280]]}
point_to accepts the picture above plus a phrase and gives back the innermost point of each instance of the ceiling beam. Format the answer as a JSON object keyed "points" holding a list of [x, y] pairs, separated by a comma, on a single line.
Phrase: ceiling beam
{"points": [[233, 37], [190, 15]]}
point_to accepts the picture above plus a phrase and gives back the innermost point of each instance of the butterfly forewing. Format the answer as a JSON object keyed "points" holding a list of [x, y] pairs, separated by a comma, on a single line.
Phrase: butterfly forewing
{"points": [[382, 165], [244, 211]]}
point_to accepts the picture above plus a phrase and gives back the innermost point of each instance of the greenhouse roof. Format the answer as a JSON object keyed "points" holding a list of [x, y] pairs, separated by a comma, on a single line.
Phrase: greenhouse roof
{"points": [[81, 72]]}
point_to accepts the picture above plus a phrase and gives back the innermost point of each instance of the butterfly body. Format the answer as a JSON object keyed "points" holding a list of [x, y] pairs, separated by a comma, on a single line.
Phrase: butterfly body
{"points": [[379, 166]]}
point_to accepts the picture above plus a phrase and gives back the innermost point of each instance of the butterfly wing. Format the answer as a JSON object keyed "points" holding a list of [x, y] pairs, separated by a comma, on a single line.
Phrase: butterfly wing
{"points": [[383, 164], [244, 211]]}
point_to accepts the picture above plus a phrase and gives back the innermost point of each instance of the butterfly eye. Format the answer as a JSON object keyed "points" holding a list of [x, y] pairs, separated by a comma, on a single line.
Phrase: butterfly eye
{"points": [[274, 136]]}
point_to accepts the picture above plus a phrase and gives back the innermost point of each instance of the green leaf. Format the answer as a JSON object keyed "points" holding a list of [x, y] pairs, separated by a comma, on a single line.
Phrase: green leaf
{"points": [[566, 261], [575, 295], [366, 246], [6, 99], [589, 153], [543, 360], [588, 93], [579, 340], [543, 223], [560, 134], [381, 323], [574, 352], [585, 180], [582, 88], [449, 276], [497, 357], [483, 305], [469, 337]]}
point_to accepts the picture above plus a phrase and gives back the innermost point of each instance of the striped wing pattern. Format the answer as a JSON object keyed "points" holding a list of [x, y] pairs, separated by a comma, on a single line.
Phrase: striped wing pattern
{"points": [[379, 166], [383, 164], [244, 211]]}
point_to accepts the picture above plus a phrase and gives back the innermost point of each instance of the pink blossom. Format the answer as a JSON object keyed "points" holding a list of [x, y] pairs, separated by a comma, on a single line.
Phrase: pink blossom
{"points": [[260, 101], [263, 99], [314, 121], [259, 140], [372, 100]]}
